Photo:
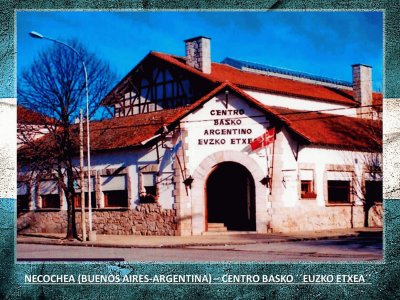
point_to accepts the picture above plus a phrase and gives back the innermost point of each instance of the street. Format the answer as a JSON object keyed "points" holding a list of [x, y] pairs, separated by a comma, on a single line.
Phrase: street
{"points": [[325, 250]]}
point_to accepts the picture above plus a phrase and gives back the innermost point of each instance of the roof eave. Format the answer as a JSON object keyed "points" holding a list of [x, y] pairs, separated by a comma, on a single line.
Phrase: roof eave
{"points": [[108, 99], [372, 149], [354, 104]]}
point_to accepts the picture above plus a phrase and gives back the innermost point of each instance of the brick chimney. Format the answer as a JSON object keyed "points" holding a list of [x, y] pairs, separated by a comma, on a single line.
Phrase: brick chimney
{"points": [[362, 89], [198, 53]]}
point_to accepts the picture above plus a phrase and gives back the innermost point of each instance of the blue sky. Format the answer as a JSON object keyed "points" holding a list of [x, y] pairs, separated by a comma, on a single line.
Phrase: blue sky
{"points": [[320, 43]]}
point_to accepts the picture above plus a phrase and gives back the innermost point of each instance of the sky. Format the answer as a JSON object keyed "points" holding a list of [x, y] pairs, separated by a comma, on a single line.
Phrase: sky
{"points": [[319, 43]]}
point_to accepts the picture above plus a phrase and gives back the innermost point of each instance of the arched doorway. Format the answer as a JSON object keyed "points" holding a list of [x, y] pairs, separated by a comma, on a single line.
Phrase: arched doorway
{"points": [[230, 197]]}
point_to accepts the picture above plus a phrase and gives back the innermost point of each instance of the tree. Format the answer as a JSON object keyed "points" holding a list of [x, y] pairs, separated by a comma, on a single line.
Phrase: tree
{"points": [[54, 87], [370, 167], [372, 163]]}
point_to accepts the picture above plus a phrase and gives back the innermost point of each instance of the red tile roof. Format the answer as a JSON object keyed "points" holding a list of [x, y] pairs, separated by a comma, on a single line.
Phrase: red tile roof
{"points": [[377, 101], [249, 80], [271, 84], [317, 128], [31, 117], [127, 132], [331, 130], [111, 134], [312, 127]]}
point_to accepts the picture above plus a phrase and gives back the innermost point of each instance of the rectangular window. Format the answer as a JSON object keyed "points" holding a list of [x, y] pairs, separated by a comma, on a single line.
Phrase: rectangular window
{"points": [[339, 187], [151, 107], [307, 184], [373, 192], [77, 195], [187, 90], [115, 191], [77, 199], [306, 188], [149, 183], [50, 201], [160, 91], [48, 191], [149, 186], [22, 196], [169, 89], [116, 199]]}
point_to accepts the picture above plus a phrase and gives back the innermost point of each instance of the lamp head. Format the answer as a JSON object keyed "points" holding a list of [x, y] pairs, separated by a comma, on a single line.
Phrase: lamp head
{"points": [[188, 181], [35, 35]]}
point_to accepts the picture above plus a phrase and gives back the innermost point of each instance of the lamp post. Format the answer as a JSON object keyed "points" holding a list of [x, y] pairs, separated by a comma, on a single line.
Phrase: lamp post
{"points": [[40, 36]]}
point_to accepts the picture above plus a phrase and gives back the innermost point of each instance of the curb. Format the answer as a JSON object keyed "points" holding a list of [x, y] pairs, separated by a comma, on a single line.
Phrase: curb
{"points": [[183, 245]]}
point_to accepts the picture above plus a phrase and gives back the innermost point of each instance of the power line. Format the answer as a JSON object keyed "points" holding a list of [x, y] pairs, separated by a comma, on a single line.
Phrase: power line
{"points": [[294, 113], [163, 122], [330, 116]]}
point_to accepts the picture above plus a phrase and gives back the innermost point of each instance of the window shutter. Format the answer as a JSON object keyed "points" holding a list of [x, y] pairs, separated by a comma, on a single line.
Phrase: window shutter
{"points": [[340, 176], [48, 187], [373, 176], [77, 185], [113, 183], [307, 175], [22, 188], [149, 179]]}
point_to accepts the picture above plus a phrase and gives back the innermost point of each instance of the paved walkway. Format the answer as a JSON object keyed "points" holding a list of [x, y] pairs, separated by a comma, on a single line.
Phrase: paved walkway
{"points": [[129, 241]]}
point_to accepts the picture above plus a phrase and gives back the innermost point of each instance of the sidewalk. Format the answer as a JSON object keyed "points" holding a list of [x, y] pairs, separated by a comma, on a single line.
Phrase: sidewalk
{"points": [[135, 241]]}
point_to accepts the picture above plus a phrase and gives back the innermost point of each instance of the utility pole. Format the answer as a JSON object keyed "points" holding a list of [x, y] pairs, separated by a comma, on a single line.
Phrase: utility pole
{"points": [[83, 218]]}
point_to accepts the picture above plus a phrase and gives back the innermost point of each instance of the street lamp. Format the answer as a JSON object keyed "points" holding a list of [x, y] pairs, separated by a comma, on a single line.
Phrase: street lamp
{"points": [[37, 35]]}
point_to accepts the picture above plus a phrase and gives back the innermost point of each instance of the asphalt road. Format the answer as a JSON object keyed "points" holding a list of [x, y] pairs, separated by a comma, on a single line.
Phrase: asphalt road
{"points": [[327, 250]]}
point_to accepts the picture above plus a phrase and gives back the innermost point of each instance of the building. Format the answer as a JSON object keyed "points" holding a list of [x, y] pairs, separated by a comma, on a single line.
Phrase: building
{"points": [[196, 146]]}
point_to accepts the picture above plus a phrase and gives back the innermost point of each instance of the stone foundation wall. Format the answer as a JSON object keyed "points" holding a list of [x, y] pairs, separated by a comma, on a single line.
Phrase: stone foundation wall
{"points": [[42, 222], [145, 219], [151, 219], [375, 216], [309, 218]]}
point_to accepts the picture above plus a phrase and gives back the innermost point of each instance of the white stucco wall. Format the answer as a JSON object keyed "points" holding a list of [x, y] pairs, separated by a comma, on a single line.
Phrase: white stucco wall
{"points": [[321, 157], [289, 157], [317, 158], [202, 156], [131, 161], [285, 168], [301, 104], [200, 122], [134, 160]]}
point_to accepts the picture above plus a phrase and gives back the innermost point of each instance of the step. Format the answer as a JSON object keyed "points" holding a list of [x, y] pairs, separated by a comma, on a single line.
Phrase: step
{"points": [[216, 225], [228, 232], [219, 229]]}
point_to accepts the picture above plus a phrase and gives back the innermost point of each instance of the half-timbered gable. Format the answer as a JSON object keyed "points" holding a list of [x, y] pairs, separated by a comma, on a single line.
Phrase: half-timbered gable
{"points": [[154, 85]]}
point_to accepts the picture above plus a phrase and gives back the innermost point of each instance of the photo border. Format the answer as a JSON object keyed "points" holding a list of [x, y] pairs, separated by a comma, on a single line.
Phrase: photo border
{"points": [[382, 277]]}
